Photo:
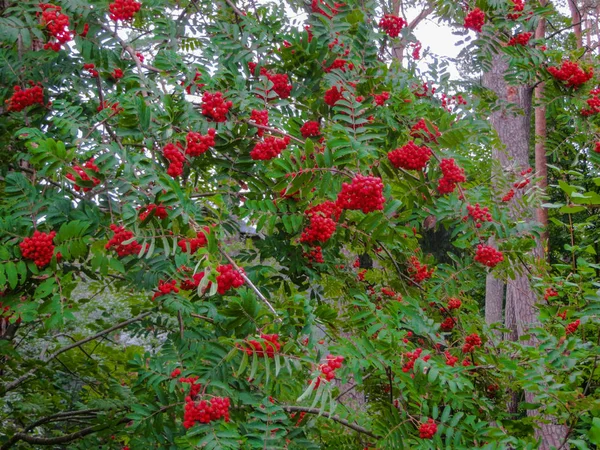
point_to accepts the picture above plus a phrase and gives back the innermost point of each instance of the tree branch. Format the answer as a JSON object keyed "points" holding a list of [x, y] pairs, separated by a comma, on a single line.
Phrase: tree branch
{"points": [[337, 419]]}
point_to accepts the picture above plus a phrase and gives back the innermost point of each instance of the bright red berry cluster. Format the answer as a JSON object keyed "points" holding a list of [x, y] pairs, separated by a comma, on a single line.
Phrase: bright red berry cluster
{"points": [[478, 214], [176, 373], [215, 107], [269, 148], [340, 64], [310, 128], [192, 245], [114, 106], [268, 345], [550, 292], [205, 411], [174, 154], [333, 95], [188, 88], [39, 248], [315, 255], [488, 255], [475, 20], [410, 157], [123, 9], [448, 324], [57, 25], [194, 387], [197, 144], [392, 25], [228, 278], [520, 39], [116, 242], [117, 74], [412, 357], [89, 165], [509, 196], [428, 429], [22, 98], [593, 103], [572, 327], [471, 342], [328, 369], [421, 130], [91, 68], [450, 360], [158, 211], [571, 74], [380, 99], [451, 175], [416, 53], [329, 11], [419, 272], [453, 303], [281, 84], [165, 288], [190, 284], [260, 118], [320, 229], [518, 7], [325, 209], [365, 193]]}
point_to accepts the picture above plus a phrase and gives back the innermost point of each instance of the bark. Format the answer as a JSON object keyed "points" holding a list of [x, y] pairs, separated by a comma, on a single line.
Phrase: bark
{"points": [[576, 20]]}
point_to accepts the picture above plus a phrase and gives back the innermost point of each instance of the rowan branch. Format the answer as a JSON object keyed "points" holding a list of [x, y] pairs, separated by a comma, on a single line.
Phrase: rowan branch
{"points": [[337, 419]]}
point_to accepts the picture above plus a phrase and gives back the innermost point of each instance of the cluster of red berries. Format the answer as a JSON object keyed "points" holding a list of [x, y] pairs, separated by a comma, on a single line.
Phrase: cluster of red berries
{"points": [[455, 99], [318, 5], [339, 64], [192, 245], [57, 25], [471, 341], [520, 39], [228, 278], [450, 360], [197, 144], [451, 175], [419, 272], [488, 255], [116, 242], [453, 303], [478, 214], [380, 99], [365, 193], [190, 284], [281, 83], [571, 74], [89, 165], [268, 346], [320, 229], [328, 369], [572, 327], [412, 357], [333, 95], [158, 211], [269, 148], [188, 88], [22, 98], [91, 68], [508, 196], [114, 106], [194, 387], [424, 90], [448, 324], [123, 9], [117, 74], [421, 130], [315, 255], [39, 248], [260, 118], [562, 315], [550, 292], [593, 103], [392, 25], [428, 429], [525, 181], [410, 157], [165, 288], [416, 53], [205, 411], [475, 20], [174, 154], [518, 7], [597, 147], [325, 209], [310, 129], [215, 107]]}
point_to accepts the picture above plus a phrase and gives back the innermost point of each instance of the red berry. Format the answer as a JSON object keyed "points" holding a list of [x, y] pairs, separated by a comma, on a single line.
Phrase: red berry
{"points": [[38, 248], [22, 98], [392, 25], [475, 20], [116, 242], [410, 157], [488, 256], [123, 10], [365, 193]]}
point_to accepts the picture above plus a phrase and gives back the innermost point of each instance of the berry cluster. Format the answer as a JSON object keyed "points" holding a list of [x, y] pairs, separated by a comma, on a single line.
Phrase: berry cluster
{"points": [[448, 324], [471, 341], [451, 175], [593, 103], [123, 9], [91, 68], [158, 211], [205, 411], [188, 88], [190, 284], [197, 144], [518, 7], [228, 278], [365, 193], [597, 147], [269, 148], [22, 98], [416, 53], [488, 255], [333, 95], [428, 429], [116, 242], [453, 303], [117, 74], [411, 358], [421, 130], [39, 248], [310, 128], [260, 118], [175, 373], [281, 84], [315, 255], [419, 272], [392, 25], [268, 346], [57, 25], [192, 245], [194, 387], [328, 369], [318, 5], [572, 327], [550, 292], [165, 288], [410, 157], [450, 360], [456, 99], [325, 209], [89, 165], [380, 99], [215, 107], [475, 20], [320, 229], [174, 154], [571, 74], [478, 214], [509, 196], [525, 181], [520, 39], [114, 106], [340, 64]]}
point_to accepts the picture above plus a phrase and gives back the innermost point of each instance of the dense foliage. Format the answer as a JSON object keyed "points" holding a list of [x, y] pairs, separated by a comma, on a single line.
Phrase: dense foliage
{"points": [[239, 227]]}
